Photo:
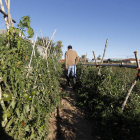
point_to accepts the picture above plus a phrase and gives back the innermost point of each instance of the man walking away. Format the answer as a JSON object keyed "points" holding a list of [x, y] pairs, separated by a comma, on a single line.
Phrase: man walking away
{"points": [[71, 60]]}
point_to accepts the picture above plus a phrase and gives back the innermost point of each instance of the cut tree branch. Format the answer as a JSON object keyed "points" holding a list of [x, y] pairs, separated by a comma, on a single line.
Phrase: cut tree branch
{"points": [[6, 15]]}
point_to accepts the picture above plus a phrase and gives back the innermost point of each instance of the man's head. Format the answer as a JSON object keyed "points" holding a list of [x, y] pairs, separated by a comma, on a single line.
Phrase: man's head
{"points": [[69, 47]]}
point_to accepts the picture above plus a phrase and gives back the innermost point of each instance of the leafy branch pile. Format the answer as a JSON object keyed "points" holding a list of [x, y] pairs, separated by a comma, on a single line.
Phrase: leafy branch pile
{"points": [[27, 95], [103, 96]]}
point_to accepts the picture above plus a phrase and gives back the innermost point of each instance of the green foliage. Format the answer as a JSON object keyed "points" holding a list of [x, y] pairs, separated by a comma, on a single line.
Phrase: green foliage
{"points": [[34, 92], [103, 97], [40, 41], [58, 49], [99, 57], [83, 56], [25, 24], [2, 39]]}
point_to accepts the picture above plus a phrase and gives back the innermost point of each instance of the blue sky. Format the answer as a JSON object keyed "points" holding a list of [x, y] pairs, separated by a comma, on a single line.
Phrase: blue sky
{"points": [[85, 24]]}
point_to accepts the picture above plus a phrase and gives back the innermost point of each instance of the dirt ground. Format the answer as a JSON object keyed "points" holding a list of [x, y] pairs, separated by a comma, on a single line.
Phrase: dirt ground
{"points": [[69, 122]]}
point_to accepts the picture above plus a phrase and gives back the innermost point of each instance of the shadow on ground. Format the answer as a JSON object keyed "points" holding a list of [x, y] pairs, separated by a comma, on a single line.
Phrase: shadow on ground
{"points": [[3, 135], [71, 122]]}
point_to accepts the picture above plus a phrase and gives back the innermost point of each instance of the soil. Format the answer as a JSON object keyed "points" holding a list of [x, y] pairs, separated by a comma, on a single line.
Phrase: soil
{"points": [[69, 121]]}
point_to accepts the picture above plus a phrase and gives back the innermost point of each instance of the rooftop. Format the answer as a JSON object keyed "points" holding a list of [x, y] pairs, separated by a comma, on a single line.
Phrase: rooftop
{"points": [[130, 59]]}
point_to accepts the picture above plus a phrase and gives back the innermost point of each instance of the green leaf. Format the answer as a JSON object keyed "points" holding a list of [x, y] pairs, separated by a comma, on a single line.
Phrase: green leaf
{"points": [[9, 123], [11, 29], [18, 112], [30, 32], [13, 104], [18, 44], [32, 135], [27, 128], [22, 117], [16, 135], [26, 109]]}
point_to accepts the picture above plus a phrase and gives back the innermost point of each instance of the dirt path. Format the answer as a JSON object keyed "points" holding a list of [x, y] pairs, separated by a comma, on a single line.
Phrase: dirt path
{"points": [[69, 122]]}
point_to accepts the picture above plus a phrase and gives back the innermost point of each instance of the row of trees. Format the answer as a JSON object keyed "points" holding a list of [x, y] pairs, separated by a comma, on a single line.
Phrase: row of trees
{"points": [[83, 57]]}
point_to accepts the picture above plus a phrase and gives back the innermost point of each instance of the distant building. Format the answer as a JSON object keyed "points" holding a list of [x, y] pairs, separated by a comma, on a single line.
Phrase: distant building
{"points": [[129, 60], [109, 60], [62, 60], [40, 50]]}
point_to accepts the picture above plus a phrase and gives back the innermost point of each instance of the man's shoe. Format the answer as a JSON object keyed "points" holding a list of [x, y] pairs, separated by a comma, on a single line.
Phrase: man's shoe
{"points": [[67, 84], [68, 81], [74, 87], [74, 83]]}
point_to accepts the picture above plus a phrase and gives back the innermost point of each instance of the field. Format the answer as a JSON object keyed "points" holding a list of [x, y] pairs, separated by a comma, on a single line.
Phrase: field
{"points": [[103, 96], [30, 91]]}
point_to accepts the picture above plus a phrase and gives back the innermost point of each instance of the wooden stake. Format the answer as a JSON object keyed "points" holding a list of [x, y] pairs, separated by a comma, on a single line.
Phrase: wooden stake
{"points": [[51, 44], [45, 51], [6, 22], [99, 71], [42, 38], [104, 51], [49, 48], [50, 40], [31, 57], [137, 60], [129, 92], [6, 3], [9, 15], [95, 58], [8, 11]]}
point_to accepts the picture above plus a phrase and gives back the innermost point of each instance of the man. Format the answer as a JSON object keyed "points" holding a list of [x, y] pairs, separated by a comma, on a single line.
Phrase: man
{"points": [[71, 60]]}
